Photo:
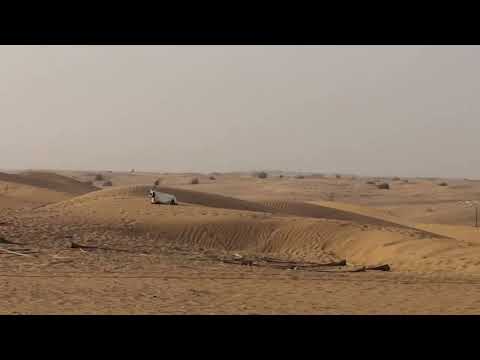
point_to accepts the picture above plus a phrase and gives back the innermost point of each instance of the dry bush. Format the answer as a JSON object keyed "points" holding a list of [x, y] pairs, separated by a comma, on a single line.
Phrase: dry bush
{"points": [[99, 177], [194, 181], [261, 175], [338, 176], [299, 177], [281, 176], [430, 210], [370, 182], [384, 186], [443, 183], [107, 183], [157, 182], [395, 178], [212, 177]]}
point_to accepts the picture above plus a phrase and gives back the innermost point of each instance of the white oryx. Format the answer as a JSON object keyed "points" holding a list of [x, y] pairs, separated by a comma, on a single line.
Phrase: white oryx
{"points": [[162, 198]]}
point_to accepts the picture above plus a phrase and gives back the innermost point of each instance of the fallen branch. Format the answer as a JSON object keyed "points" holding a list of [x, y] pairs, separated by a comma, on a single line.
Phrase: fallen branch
{"points": [[384, 267], [87, 247], [78, 246], [5, 241], [333, 263], [14, 252]]}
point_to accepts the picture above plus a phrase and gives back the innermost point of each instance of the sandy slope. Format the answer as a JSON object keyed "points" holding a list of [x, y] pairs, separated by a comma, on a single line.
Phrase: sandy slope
{"points": [[460, 232], [138, 238], [103, 218], [34, 189], [17, 196], [50, 181]]}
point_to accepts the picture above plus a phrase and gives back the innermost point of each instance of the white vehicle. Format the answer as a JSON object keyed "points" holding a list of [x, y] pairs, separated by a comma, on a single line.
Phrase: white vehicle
{"points": [[162, 198]]}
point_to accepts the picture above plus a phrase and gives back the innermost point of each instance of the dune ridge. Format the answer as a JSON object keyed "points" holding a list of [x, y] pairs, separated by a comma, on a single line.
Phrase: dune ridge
{"points": [[298, 232]]}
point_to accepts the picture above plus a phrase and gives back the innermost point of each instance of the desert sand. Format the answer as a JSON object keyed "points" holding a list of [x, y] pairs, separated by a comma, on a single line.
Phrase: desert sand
{"points": [[236, 244]]}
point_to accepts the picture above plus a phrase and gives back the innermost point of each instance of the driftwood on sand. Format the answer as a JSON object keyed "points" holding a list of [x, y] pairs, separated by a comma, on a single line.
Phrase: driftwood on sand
{"points": [[14, 252], [259, 261]]}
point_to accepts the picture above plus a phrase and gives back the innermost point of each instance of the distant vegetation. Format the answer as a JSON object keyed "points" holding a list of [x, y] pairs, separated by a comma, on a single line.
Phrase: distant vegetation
{"points": [[281, 176], [107, 183], [212, 177], [99, 177], [299, 177], [261, 175], [443, 183], [157, 182], [338, 176], [370, 182], [384, 186], [194, 181], [395, 178]]}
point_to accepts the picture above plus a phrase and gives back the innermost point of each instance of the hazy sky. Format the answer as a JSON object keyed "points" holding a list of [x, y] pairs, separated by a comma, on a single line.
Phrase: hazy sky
{"points": [[373, 110]]}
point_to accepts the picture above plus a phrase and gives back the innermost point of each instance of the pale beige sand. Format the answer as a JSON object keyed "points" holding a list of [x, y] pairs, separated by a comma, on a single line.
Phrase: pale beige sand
{"points": [[150, 266]]}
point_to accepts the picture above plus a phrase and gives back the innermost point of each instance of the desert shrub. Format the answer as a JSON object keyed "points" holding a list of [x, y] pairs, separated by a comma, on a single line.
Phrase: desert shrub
{"points": [[384, 186], [299, 177], [99, 177], [370, 182], [281, 176], [430, 210], [338, 176], [212, 177], [157, 182], [89, 183], [395, 178], [194, 181], [405, 181], [107, 183], [261, 175], [443, 183]]}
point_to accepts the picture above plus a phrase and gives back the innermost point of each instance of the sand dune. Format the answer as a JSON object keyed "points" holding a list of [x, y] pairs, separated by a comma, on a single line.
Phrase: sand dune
{"points": [[50, 181], [34, 189], [296, 230], [18, 196], [460, 232], [134, 235]]}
